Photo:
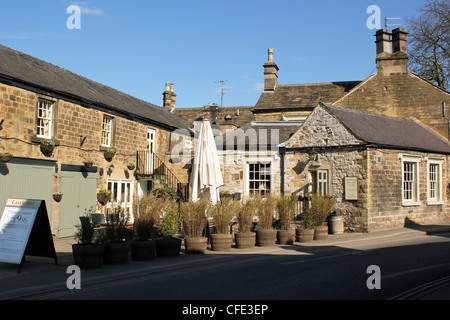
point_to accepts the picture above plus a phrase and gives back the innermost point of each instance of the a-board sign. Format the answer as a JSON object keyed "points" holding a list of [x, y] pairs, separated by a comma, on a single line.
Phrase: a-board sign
{"points": [[25, 230], [351, 188]]}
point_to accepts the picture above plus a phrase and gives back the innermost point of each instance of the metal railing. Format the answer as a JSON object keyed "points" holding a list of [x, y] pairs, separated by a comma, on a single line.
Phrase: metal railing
{"points": [[149, 164]]}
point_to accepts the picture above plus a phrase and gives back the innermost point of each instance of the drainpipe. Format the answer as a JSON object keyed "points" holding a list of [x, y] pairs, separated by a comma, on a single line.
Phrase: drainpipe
{"points": [[282, 154]]}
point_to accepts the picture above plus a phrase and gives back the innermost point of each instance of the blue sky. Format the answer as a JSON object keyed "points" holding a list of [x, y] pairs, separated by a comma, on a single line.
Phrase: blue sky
{"points": [[136, 46]]}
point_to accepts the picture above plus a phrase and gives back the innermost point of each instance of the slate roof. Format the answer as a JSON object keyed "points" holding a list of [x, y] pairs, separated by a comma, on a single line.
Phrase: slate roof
{"points": [[22, 70], [307, 96], [189, 115], [384, 131], [269, 134]]}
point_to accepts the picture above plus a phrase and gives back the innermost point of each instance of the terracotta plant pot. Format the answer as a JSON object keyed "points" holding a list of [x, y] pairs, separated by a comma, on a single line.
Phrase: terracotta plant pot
{"points": [[321, 233], [304, 235], [143, 250], [285, 236], [195, 245], [245, 240], [221, 242], [117, 253], [88, 256], [266, 238], [168, 247]]}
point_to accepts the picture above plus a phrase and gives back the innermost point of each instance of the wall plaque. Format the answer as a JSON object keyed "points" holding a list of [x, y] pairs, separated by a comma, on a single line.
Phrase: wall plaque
{"points": [[351, 188]]}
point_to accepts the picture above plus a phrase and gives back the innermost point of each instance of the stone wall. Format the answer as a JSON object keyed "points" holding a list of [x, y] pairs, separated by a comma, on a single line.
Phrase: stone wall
{"points": [[401, 95], [386, 207], [77, 133]]}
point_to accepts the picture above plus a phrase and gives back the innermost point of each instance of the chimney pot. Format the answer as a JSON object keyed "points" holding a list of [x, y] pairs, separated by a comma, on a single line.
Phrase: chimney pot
{"points": [[270, 53]]}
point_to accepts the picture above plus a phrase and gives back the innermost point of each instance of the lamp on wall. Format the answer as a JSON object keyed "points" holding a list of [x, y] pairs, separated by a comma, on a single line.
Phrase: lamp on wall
{"points": [[314, 159]]}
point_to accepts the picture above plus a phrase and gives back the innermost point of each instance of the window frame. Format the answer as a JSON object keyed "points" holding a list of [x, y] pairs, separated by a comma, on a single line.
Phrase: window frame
{"points": [[50, 125], [438, 199], [415, 191], [258, 161], [116, 186], [109, 132]]}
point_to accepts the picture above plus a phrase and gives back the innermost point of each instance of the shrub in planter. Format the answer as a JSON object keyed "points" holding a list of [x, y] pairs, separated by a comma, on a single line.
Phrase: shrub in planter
{"points": [[286, 210], [194, 215], [222, 213], [169, 245], [88, 251], [146, 214], [117, 246], [265, 234], [245, 238], [305, 233], [321, 207]]}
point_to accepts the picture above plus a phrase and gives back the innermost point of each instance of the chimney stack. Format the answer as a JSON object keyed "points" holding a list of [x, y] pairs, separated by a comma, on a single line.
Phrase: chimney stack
{"points": [[270, 73], [211, 112], [399, 40], [391, 61], [169, 97], [383, 41]]}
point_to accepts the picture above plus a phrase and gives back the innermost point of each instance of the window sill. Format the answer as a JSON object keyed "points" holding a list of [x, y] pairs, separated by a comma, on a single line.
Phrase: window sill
{"points": [[410, 204], [434, 202], [35, 138]]}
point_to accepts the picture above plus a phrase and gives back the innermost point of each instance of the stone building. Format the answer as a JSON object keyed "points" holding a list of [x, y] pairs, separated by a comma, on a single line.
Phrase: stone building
{"points": [[380, 169], [266, 154], [41, 102]]}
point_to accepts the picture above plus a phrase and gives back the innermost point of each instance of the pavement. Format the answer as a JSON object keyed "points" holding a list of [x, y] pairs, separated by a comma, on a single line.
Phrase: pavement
{"points": [[40, 275]]}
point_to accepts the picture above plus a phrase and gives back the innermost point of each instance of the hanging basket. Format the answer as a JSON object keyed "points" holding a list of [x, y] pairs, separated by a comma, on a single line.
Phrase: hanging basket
{"points": [[88, 164], [109, 154], [103, 197], [57, 197], [5, 157], [47, 149], [131, 166]]}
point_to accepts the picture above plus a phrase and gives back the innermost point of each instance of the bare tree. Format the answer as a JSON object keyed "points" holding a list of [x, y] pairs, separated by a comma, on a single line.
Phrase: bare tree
{"points": [[429, 42]]}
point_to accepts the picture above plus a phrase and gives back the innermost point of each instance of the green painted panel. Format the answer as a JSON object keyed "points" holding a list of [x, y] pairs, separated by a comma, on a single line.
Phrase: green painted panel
{"points": [[27, 179], [79, 194]]}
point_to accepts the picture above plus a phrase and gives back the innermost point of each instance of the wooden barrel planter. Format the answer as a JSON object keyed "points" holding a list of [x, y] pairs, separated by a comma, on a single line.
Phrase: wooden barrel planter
{"points": [[168, 247], [195, 245], [285, 236], [117, 253], [266, 238], [304, 235], [88, 256], [245, 240], [221, 242], [321, 233], [143, 250]]}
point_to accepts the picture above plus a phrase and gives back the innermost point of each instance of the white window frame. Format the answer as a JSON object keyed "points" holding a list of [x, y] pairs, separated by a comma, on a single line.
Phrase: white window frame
{"points": [[437, 199], [415, 191], [107, 129], [247, 173], [118, 188], [44, 118]]}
